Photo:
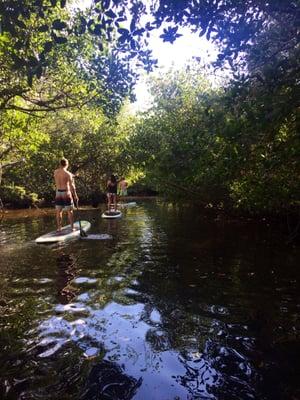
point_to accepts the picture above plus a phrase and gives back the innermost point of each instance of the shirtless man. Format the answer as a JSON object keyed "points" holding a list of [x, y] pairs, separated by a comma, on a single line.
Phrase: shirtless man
{"points": [[65, 193], [123, 187]]}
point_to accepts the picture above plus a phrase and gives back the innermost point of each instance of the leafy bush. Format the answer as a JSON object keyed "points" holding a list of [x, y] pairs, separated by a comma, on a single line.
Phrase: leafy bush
{"points": [[141, 188], [16, 196]]}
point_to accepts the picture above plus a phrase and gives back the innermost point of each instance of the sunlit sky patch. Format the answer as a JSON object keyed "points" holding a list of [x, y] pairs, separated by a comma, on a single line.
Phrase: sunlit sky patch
{"points": [[169, 55], [176, 55]]}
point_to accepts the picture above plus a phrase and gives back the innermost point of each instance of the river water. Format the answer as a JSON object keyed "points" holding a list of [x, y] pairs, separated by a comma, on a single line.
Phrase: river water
{"points": [[175, 306]]}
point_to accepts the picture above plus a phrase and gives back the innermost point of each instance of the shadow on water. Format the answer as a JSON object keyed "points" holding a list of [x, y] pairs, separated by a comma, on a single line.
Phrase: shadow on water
{"points": [[107, 381], [176, 306]]}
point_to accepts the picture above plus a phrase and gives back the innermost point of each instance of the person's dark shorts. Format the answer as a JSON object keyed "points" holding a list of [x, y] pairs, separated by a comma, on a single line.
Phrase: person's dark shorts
{"points": [[63, 200]]}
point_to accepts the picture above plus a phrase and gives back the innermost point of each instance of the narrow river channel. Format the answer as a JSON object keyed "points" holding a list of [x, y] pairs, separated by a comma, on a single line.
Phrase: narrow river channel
{"points": [[174, 307]]}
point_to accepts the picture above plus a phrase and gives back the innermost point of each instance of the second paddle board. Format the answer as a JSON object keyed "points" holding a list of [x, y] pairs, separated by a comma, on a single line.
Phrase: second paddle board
{"points": [[112, 214]]}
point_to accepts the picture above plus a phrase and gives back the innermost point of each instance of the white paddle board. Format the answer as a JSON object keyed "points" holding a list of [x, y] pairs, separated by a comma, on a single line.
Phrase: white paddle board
{"points": [[130, 204], [112, 214], [64, 234]]}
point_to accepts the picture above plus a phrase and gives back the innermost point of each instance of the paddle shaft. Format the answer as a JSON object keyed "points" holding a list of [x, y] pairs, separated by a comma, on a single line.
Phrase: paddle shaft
{"points": [[82, 232]]}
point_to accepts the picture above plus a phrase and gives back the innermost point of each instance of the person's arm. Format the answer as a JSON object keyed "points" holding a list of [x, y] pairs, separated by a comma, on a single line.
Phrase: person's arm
{"points": [[73, 188], [54, 176]]}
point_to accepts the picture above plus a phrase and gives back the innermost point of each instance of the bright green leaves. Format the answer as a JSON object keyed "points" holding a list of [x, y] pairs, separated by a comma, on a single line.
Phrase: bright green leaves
{"points": [[90, 142], [224, 145]]}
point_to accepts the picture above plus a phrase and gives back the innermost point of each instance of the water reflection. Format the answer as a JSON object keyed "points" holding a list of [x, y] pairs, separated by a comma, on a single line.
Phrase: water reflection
{"points": [[174, 307], [108, 381], [67, 270]]}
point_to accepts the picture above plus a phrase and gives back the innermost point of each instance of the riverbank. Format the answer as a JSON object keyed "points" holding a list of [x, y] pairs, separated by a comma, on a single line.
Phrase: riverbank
{"points": [[39, 211], [288, 225]]}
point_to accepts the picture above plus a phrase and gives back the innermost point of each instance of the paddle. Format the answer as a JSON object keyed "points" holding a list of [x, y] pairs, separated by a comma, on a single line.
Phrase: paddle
{"points": [[84, 235], [82, 232]]}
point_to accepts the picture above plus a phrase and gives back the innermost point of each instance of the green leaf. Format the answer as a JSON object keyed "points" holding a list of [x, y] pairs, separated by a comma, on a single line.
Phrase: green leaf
{"points": [[48, 46], [59, 25], [97, 29], [43, 28], [60, 39], [20, 24], [110, 14]]}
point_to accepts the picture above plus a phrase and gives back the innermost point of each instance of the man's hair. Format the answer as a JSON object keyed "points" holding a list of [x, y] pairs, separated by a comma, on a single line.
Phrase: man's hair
{"points": [[64, 162], [113, 178]]}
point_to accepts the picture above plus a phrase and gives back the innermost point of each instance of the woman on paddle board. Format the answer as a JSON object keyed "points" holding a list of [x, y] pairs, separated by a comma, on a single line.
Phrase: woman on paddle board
{"points": [[112, 188]]}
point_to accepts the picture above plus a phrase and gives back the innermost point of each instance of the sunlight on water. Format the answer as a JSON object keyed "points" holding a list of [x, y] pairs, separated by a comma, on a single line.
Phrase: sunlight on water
{"points": [[172, 307]]}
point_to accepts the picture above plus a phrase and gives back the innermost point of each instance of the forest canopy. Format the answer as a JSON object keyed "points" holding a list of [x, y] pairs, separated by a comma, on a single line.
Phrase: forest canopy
{"points": [[67, 75]]}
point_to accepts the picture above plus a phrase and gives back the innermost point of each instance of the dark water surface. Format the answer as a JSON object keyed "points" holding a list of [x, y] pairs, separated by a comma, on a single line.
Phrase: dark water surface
{"points": [[176, 306]]}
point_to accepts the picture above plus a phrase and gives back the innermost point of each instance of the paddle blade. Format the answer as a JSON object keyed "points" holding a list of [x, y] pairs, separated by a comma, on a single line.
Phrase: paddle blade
{"points": [[100, 236], [82, 232]]}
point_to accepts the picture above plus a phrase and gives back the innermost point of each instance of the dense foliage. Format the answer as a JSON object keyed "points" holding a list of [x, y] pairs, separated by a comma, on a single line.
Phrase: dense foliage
{"points": [[218, 147], [66, 74], [53, 91]]}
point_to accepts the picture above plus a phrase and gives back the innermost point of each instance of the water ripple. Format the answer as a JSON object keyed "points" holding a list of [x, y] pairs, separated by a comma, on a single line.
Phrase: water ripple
{"points": [[173, 308]]}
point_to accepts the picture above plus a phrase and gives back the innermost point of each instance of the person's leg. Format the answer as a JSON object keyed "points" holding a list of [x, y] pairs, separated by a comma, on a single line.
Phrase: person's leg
{"points": [[71, 219], [115, 202], [108, 201], [58, 219]]}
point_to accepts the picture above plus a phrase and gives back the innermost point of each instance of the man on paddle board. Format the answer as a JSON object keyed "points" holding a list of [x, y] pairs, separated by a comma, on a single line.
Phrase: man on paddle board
{"points": [[65, 193], [123, 187]]}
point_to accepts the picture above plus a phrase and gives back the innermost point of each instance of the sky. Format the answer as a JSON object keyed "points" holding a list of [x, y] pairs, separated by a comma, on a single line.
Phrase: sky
{"points": [[176, 54]]}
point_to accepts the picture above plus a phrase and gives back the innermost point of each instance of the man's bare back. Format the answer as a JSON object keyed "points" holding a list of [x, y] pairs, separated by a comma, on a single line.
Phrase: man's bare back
{"points": [[63, 179], [65, 193]]}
